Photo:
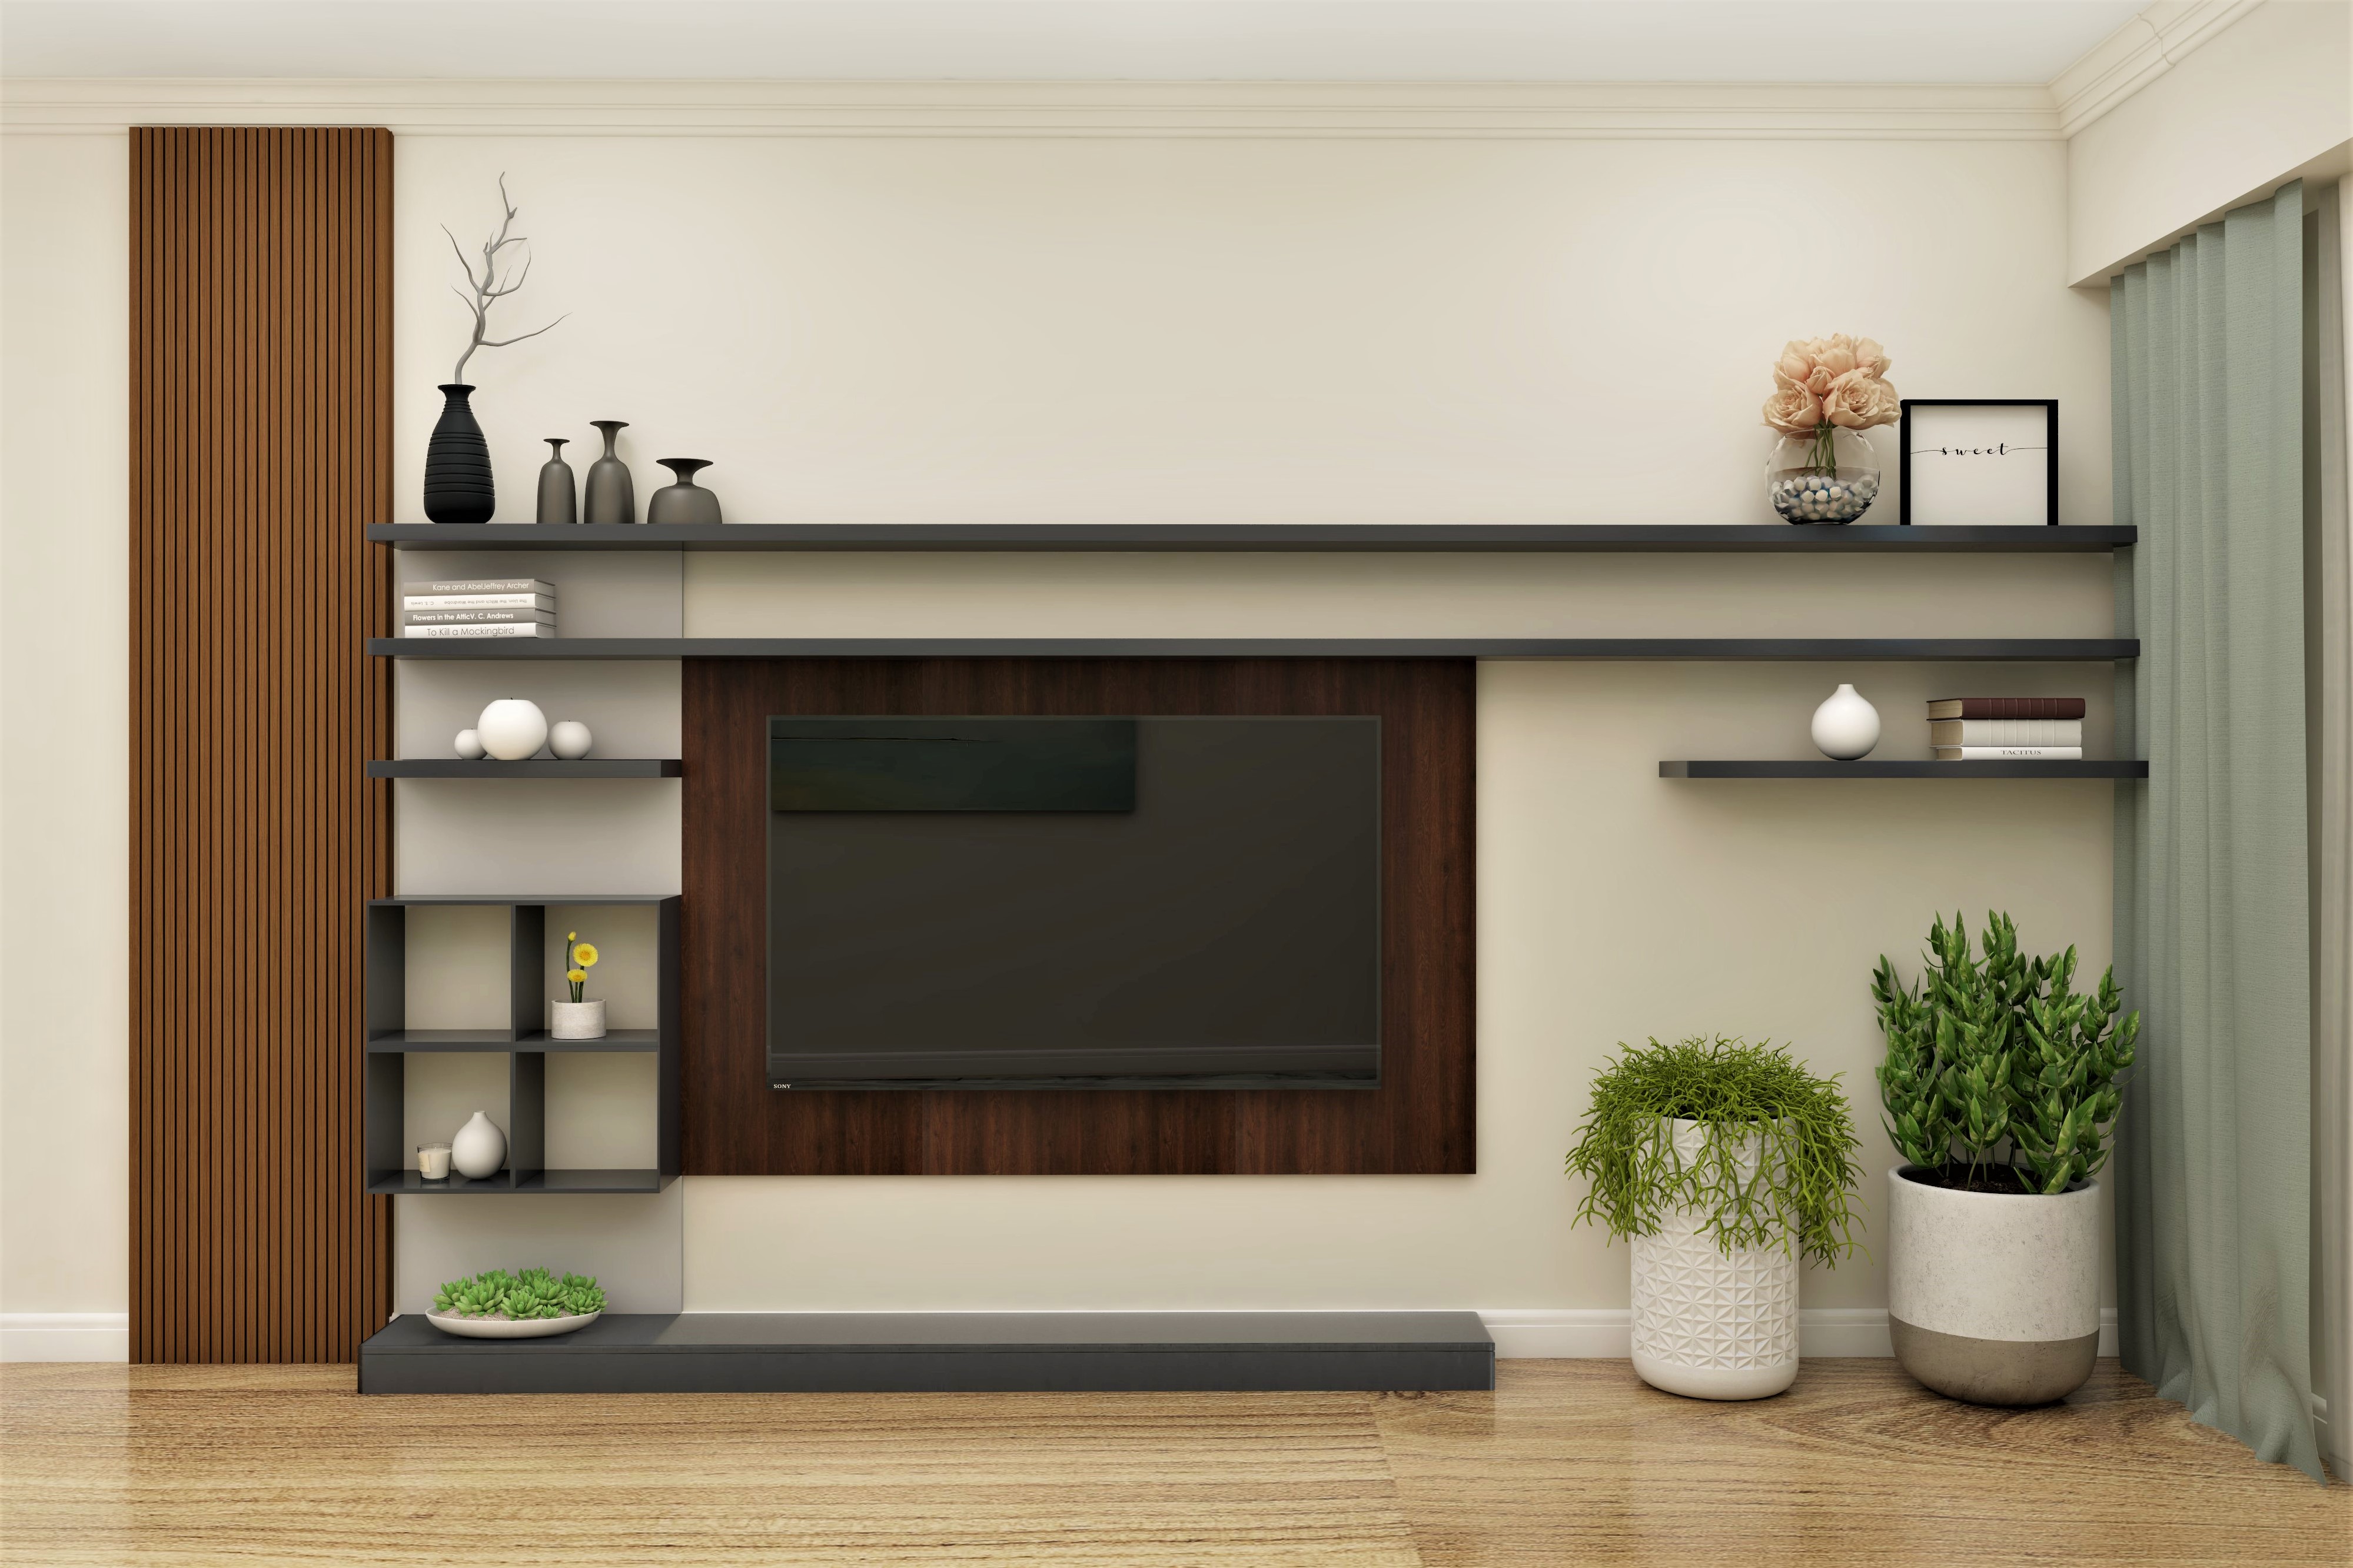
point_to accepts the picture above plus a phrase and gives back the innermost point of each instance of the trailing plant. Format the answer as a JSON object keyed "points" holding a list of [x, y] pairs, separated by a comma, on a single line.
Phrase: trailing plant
{"points": [[1775, 1164], [533, 1293], [1999, 1073]]}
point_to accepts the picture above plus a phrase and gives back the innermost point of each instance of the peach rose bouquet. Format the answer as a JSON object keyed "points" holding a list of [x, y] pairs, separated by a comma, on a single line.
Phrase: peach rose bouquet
{"points": [[1821, 386]]}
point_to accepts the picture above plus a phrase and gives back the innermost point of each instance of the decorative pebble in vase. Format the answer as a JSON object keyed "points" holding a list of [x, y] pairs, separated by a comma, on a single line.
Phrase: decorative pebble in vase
{"points": [[513, 728], [1829, 478], [1846, 726], [479, 1149]]}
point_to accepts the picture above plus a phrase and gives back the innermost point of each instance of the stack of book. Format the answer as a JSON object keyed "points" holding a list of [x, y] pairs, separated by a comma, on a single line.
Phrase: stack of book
{"points": [[485, 607], [1998, 729]]}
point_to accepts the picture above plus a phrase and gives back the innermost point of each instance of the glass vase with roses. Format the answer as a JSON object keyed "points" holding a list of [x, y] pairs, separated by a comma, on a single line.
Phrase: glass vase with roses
{"points": [[1826, 393]]}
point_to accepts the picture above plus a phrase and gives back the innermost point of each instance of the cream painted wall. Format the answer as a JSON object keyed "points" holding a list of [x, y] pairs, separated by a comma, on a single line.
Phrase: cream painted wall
{"points": [[2268, 98], [64, 729]]}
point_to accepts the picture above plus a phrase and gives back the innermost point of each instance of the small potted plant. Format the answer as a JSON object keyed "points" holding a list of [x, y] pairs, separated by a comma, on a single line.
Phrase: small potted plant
{"points": [[498, 1305], [1999, 1087], [1723, 1163], [578, 1019]]}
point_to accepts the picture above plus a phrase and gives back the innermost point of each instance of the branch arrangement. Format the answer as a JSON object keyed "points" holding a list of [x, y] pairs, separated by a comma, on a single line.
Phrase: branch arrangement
{"points": [[492, 283]]}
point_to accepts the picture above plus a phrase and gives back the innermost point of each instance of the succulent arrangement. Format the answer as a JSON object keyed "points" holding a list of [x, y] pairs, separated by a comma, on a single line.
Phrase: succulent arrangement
{"points": [[532, 1293], [1776, 1163], [2000, 1076]]}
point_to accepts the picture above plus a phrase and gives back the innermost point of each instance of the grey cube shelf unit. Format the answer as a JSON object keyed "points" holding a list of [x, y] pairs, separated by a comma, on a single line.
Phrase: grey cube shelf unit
{"points": [[524, 1042]]}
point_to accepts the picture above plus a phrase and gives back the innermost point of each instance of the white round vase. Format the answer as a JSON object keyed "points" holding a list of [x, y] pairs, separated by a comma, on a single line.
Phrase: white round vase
{"points": [[1994, 1298], [1845, 726], [570, 740], [1708, 1325], [576, 1020], [513, 728], [479, 1149]]}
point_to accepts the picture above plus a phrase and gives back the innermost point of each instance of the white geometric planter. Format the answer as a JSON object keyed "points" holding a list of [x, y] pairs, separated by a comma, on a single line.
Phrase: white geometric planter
{"points": [[1706, 1325], [1994, 1298]]}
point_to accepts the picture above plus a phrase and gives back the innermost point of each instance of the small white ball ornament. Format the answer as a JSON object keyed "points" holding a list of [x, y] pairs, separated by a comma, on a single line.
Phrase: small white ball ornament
{"points": [[469, 745], [570, 740], [1845, 726]]}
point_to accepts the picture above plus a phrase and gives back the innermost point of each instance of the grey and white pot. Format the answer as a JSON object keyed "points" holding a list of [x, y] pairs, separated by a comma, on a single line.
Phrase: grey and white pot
{"points": [[1708, 1325], [576, 1020], [1994, 1298]]}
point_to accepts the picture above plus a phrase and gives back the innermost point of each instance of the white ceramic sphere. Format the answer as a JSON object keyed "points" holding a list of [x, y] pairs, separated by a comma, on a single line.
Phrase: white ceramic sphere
{"points": [[570, 740], [469, 745], [513, 728], [1845, 726]]}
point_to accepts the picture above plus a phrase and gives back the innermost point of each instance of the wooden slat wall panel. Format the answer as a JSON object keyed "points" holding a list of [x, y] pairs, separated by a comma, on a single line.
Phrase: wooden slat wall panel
{"points": [[260, 446]]}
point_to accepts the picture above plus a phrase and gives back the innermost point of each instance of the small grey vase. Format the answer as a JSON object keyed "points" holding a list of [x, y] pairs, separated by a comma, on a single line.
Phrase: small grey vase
{"points": [[559, 499], [612, 498], [684, 501]]}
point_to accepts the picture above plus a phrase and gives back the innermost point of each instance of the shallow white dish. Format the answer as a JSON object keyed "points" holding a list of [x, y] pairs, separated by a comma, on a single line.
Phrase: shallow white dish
{"points": [[509, 1328]]}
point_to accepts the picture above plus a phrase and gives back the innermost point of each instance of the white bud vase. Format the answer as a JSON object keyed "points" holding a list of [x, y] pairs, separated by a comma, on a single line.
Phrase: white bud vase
{"points": [[1845, 726], [513, 728], [576, 1020], [479, 1149]]}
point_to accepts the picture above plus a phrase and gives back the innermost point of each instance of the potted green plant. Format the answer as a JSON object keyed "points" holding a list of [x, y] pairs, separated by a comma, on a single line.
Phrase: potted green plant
{"points": [[1722, 1164], [531, 1304], [2000, 1092]]}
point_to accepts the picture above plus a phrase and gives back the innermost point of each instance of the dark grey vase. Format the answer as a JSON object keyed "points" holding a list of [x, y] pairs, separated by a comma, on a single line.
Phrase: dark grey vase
{"points": [[684, 501], [559, 501], [458, 463], [612, 498]]}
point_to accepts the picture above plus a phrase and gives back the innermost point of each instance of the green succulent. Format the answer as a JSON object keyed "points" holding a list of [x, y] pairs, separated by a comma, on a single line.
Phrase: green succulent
{"points": [[532, 1293], [1997, 1061], [1775, 1162]]}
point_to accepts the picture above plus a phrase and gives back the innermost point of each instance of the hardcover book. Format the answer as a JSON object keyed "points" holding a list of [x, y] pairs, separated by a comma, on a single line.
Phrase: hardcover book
{"points": [[2006, 732], [2009, 753], [535, 629], [482, 585], [2005, 708]]}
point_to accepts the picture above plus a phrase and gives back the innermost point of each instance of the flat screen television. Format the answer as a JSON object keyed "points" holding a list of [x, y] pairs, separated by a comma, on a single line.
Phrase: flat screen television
{"points": [[1074, 903]]}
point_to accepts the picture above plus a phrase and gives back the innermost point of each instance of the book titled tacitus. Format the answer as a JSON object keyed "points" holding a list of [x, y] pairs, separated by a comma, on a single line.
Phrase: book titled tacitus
{"points": [[2009, 753], [2005, 708]]}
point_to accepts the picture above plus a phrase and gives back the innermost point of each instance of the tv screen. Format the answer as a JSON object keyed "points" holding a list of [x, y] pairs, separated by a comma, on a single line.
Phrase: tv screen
{"points": [[1123, 903]]}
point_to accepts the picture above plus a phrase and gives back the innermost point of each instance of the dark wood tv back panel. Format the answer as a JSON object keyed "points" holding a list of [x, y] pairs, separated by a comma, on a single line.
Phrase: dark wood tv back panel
{"points": [[1419, 1121]]}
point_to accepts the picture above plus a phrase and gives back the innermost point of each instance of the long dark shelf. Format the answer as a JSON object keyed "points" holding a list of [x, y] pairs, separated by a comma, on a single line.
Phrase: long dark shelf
{"points": [[419, 1041], [2022, 768], [408, 1183], [537, 768], [506, 898], [2030, 650], [1249, 538]]}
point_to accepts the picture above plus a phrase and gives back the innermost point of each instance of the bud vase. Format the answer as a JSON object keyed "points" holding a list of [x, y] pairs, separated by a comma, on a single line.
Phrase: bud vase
{"points": [[559, 499], [1830, 475], [458, 463], [479, 1149], [684, 501], [612, 497]]}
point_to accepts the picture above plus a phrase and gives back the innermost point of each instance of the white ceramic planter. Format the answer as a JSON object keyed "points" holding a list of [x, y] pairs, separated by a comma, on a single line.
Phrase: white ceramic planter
{"points": [[1706, 1325], [1994, 1298], [576, 1020], [508, 1328], [479, 1149]]}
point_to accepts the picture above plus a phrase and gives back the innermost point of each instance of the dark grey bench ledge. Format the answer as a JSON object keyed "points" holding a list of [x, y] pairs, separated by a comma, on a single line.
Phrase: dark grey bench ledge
{"points": [[718, 1352]]}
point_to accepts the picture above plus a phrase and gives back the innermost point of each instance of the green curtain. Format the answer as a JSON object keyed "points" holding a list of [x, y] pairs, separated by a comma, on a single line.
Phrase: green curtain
{"points": [[2214, 1151]]}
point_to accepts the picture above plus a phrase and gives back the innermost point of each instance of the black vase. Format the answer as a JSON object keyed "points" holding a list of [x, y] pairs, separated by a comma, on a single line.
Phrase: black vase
{"points": [[684, 501], [458, 464]]}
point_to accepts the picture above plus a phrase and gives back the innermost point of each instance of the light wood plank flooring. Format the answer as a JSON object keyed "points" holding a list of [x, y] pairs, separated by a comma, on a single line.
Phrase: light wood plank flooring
{"points": [[1567, 1462]]}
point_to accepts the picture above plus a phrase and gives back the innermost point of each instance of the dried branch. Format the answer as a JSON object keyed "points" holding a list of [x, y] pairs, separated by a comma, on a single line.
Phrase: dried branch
{"points": [[491, 286]]}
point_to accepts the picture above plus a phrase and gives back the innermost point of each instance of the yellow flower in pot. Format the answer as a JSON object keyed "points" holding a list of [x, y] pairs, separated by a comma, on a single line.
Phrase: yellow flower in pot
{"points": [[578, 1019]]}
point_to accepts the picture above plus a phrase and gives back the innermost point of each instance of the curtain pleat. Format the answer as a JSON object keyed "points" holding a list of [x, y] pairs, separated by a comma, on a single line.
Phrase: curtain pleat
{"points": [[2214, 1160]]}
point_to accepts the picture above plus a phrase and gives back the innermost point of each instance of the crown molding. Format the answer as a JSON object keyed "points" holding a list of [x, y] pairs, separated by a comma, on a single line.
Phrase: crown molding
{"points": [[2135, 55], [1588, 111]]}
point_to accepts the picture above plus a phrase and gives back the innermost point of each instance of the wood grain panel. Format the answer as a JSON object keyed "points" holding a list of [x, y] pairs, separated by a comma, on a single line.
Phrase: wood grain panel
{"points": [[1419, 1120], [260, 448]]}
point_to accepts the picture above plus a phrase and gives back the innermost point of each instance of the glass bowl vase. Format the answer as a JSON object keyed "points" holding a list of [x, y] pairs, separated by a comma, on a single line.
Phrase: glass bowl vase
{"points": [[1827, 476]]}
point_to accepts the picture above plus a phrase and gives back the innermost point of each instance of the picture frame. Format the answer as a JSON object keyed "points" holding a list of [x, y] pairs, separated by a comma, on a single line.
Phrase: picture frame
{"points": [[1978, 461]]}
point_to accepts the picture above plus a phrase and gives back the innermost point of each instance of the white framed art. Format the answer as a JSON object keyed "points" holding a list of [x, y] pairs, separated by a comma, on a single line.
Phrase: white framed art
{"points": [[1979, 461]]}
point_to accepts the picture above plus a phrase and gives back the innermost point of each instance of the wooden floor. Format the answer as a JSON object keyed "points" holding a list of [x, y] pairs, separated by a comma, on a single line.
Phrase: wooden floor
{"points": [[1568, 1462]]}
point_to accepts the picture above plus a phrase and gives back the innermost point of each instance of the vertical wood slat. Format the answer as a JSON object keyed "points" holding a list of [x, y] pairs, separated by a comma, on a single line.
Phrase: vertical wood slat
{"points": [[261, 412]]}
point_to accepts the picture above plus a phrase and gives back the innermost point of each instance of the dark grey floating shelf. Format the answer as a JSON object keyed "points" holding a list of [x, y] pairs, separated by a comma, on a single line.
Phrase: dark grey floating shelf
{"points": [[2028, 649], [416, 1041], [2022, 768], [538, 768], [1247, 538], [408, 1183], [872, 1352]]}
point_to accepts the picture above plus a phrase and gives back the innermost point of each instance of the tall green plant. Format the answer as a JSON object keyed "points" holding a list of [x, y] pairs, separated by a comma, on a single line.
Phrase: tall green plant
{"points": [[1996, 1062], [1775, 1164]]}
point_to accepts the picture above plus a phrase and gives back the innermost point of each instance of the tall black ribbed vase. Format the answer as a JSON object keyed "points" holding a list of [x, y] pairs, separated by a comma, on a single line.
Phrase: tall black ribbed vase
{"points": [[458, 464]]}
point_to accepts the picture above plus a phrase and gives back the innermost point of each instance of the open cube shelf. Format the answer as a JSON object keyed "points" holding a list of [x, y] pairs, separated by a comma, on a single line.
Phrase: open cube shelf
{"points": [[524, 1042]]}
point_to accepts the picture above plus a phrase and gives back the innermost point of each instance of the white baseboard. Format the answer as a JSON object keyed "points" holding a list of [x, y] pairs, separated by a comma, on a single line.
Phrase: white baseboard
{"points": [[1569, 1333], [64, 1336]]}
